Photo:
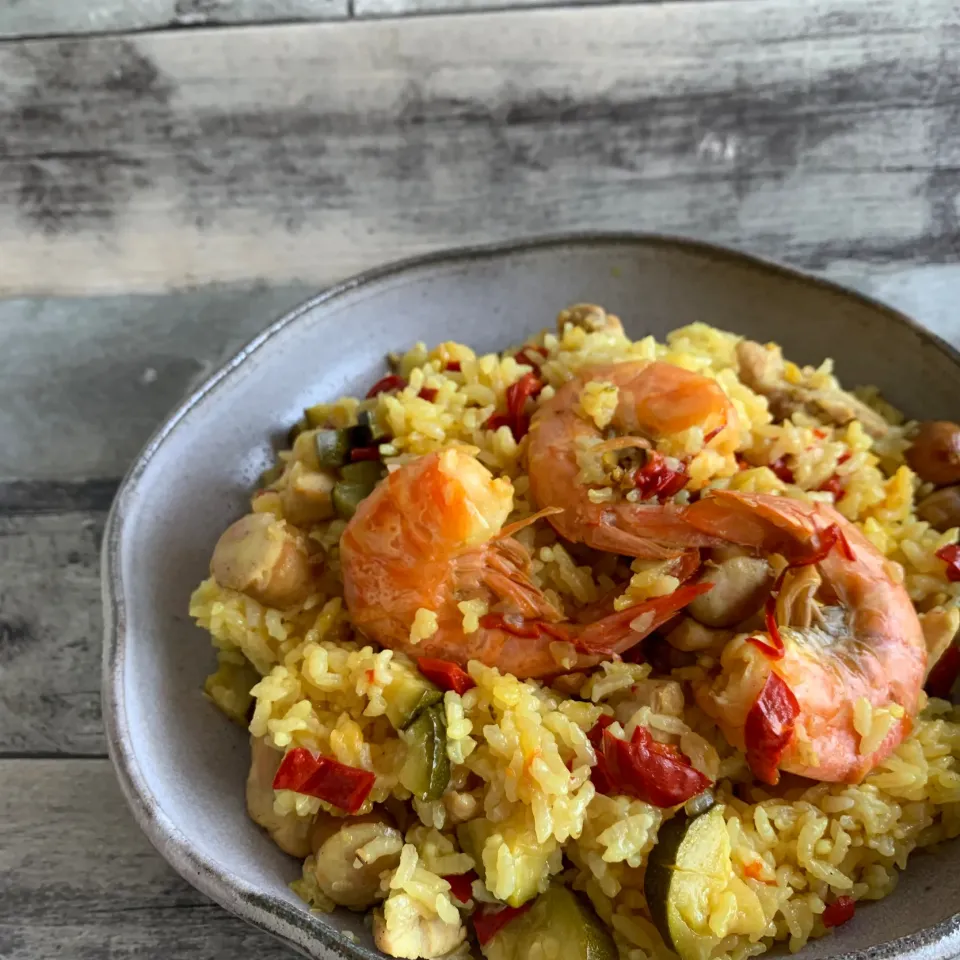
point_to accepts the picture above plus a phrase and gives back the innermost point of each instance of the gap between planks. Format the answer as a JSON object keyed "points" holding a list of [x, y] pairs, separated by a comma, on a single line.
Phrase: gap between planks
{"points": [[60, 19], [78, 878]]}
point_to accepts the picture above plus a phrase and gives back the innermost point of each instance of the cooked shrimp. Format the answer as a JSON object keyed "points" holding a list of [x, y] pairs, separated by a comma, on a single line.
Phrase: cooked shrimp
{"points": [[431, 536], [653, 399], [853, 650]]}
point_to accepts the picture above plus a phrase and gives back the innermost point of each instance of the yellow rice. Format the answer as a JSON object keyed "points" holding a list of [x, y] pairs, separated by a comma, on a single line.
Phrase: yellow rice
{"points": [[519, 751]]}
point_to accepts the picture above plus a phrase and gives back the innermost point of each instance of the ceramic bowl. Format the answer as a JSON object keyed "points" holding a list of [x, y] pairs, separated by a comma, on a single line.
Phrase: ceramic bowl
{"points": [[182, 764]]}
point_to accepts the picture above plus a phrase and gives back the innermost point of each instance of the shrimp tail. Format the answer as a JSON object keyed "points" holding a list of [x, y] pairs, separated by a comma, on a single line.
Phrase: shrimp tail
{"points": [[620, 631]]}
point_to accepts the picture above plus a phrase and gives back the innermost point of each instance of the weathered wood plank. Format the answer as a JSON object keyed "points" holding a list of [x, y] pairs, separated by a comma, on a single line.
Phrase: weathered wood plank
{"points": [[78, 879], [83, 383], [402, 8], [814, 132], [50, 529], [42, 18], [50, 632]]}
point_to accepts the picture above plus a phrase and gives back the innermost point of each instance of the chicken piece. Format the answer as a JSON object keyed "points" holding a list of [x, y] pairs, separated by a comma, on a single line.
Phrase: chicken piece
{"points": [[400, 930], [350, 853], [761, 368], [840, 408], [691, 636], [663, 697], [940, 626], [308, 496], [569, 684], [590, 317], [264, 558], [290, 832], [740, 585]]}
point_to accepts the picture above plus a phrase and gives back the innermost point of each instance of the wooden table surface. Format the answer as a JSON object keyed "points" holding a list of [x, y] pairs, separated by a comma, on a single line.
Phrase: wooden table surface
{"points": [[175, 173]]}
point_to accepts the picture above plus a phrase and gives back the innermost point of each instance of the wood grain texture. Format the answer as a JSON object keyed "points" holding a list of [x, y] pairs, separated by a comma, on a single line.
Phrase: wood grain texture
{"points": [[402, 8], [816, 132], [50, 634], [78, 879], [41, 18], [83, 383]]}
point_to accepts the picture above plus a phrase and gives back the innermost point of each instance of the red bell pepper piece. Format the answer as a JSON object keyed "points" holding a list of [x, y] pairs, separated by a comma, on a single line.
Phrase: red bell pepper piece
{"points": [[489, 921], [944, 674], [833, 485], [599, 775], [950, 555], [642, 767], [716, 431], [296, 768], [336, 783], [497, 420], [524, 354], [529, 385], [428, 393], [781, 470], [769, 728], [364, 453], [446, 675], [387, 384], [656, 479], [595, 736], [839, 912], [325, 778], [461, 885], [453, 366]]}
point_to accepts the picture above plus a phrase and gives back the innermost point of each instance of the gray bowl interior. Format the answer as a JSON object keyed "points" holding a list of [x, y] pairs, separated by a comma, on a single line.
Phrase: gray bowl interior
{"points": [[182, 764]]}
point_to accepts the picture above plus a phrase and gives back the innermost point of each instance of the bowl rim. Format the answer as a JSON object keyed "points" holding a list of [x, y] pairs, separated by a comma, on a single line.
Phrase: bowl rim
{"points": [[290, 923]]}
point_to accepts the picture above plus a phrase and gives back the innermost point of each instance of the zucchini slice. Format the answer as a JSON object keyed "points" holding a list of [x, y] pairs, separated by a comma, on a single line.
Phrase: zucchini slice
{"points": [[426, 771], [531, 860], [406, 696], [558, 915], [688, 867]]}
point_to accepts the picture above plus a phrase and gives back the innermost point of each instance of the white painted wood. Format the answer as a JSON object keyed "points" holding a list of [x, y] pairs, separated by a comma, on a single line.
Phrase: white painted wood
{"points": [[816, 132], [79, 880], [38, 18]]}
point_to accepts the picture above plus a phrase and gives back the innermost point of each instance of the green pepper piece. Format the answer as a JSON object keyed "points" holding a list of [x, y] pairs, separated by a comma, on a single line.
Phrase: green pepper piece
{"points": [[364, 471], [360, 435], [426, 771], [406, 696], [333, 448], [347, 496]]}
